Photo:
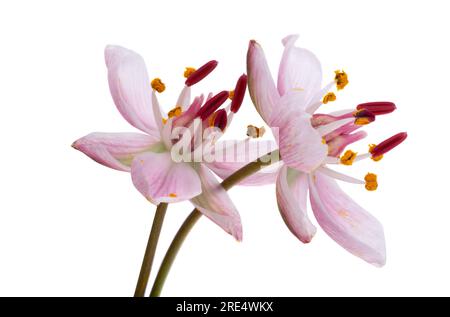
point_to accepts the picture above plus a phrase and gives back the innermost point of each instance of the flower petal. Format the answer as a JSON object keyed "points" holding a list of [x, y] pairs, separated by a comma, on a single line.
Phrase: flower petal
{"points": [[291, 188], [160, 179], [300, 144], [116, 150], [229, 156], [260, 82], [215, 204], [299, 70], [130, 87], [346, 222]]}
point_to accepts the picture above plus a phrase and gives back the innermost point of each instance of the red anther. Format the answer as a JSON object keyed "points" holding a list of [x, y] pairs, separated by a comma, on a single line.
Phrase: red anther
{"points": [[388, 144], [239, 93], [212, 105], [201, 73], [220, 119], [378, 108]]}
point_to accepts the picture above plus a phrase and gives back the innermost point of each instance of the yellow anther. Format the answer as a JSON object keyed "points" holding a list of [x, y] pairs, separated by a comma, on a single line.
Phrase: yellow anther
{"points": [[362, 121], [164, 121], [348, 157], [371, 181], [324, 141], [231, 94], [329, 97], [376, 158], [188, 71], [175, 112], [172, 195], [341, 79], [158, 85]]}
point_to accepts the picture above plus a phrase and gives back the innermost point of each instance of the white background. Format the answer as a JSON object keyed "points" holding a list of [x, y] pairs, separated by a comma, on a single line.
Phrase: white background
{"points": [[69, 226]]}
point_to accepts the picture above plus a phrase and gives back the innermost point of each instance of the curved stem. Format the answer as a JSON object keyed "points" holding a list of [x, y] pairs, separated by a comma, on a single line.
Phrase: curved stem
{"points": [[147, 262], [193, 217]]}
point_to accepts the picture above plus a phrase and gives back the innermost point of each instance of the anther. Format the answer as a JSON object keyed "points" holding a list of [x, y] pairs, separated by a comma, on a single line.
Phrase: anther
{"points": [[388, 144], [200, 73], [220, 119], [158, 85], [377, 108], [363, 117], [329, 97], [239, 93], [189, 71], [212, 105], [371, 181], [341, 79], [348, 157]]}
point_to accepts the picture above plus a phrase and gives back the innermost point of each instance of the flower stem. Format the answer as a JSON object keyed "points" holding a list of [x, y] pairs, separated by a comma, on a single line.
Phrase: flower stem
{"points": [[147, 262], [193, 217]]}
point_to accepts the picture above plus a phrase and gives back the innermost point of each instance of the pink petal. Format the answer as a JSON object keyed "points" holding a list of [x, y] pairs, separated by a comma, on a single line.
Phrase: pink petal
{"points": [[160, 179], [291, 188], [215, 204], [346, 222], [115, 150], [300, 144], [299, 69], [229, 156], [260, 82], [130, 87]]}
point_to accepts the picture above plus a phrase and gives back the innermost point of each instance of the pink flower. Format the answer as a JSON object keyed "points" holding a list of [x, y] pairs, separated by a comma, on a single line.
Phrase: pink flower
{"points": [[148, 155], [310, 141]]}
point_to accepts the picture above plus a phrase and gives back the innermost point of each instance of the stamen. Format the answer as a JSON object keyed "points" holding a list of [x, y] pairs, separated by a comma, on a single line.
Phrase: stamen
{"points": [[158, 85], [212, 105], [220, 119], [172, 195], [330, 127], [375, 158], [175, 112], [363, 117], [231, 95], [334, 174], [377, 108], [189, 71], [388, 144], [348, 157], [329, 97], [341, 79], [239, 93], [201, 73], [255, 132], [371, 181]]}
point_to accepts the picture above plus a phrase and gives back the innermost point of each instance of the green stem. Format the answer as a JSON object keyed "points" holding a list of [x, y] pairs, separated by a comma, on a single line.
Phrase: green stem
{"points": [[193, 217], [149, 255]]}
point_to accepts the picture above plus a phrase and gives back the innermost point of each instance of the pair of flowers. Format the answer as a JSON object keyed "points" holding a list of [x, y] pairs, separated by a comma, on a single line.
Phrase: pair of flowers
{"points": [[308, 143]]}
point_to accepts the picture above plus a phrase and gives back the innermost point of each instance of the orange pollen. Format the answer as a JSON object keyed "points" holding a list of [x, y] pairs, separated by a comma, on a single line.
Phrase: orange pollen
{"points": [[329, 97], [189, 71], [175, 112], [374, 158], [371, 181], [348, 157], [341, 79], [172, 195], [158, 85], [231, 94]]}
